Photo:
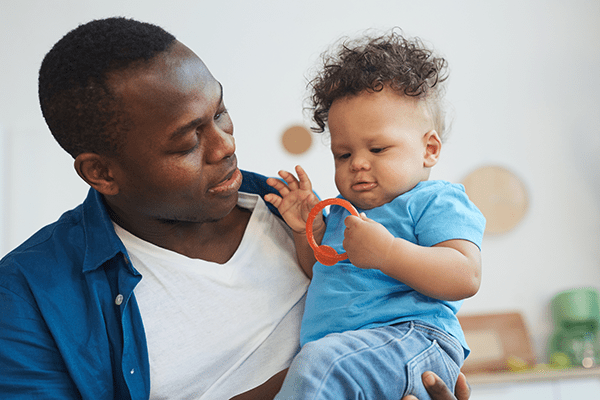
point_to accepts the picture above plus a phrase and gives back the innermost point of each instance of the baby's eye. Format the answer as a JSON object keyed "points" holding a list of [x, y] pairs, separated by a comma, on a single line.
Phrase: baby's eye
{"points": [[377, 150], [344, 156]]}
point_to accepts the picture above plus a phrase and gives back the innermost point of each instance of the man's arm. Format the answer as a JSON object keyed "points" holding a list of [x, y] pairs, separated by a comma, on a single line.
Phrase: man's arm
{"points": [[30, 361], [266, 391]]}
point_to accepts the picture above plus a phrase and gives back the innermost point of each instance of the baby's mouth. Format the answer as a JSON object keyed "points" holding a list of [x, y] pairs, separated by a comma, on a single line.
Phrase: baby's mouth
{"points": [[363, 186]]}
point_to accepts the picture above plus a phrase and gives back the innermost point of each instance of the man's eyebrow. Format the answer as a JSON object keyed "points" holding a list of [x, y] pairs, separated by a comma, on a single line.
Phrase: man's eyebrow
{"points": [[221, 96], [182, 130]]}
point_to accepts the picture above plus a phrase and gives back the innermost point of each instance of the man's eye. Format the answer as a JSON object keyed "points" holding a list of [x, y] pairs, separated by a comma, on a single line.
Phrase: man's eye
{"points": [[220, 114], [189, 150]]}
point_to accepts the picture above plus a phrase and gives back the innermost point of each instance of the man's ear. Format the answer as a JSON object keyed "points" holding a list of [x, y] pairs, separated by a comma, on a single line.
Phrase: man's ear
{"points": [[97, 172], [433, 148]]}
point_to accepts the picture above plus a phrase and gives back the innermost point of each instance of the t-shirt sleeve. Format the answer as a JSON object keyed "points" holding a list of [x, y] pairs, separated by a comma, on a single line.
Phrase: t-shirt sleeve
{"points": [[447, 214]]}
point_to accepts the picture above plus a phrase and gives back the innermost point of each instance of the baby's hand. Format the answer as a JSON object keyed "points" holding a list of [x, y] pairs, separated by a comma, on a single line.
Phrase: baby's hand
{"points": [[295, 201], [366, 241]]}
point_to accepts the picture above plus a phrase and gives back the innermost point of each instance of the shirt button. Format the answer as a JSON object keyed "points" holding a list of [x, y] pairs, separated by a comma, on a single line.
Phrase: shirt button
{"points": [[132, 371], [119, 300]]}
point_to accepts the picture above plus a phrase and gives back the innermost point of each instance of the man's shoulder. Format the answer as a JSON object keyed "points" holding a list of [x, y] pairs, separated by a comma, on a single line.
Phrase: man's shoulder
{"points": [[45, 255], [65, 230], [257, 184], [85, 232]]}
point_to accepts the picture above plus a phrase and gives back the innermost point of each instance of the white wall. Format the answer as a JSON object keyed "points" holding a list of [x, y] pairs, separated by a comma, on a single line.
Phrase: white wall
{"points": [[3, 188], [524, 86]]}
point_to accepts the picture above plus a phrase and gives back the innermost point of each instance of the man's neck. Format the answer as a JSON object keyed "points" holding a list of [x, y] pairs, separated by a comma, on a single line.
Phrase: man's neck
{"points": [[215, 241]]}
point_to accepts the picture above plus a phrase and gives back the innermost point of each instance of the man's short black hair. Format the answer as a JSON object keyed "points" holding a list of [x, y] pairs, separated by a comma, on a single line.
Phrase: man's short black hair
{"points": [[76, 100]]}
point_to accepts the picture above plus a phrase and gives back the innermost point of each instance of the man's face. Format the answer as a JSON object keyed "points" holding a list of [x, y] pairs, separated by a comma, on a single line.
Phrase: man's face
{"points": [[178, 162]]}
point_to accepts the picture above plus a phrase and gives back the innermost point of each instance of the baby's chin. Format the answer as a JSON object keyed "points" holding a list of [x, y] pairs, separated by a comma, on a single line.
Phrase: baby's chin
{"points": [[365, 203]]}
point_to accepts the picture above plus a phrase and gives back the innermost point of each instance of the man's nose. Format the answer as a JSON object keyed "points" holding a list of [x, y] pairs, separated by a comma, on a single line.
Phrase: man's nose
{"points": [[220, 145]]}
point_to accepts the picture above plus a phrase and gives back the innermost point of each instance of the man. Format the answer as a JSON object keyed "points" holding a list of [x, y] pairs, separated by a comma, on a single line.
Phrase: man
{"points": [[218, 309]]}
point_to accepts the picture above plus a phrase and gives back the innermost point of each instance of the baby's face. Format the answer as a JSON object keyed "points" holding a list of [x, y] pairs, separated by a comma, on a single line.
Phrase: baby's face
{"points": [[383, 144]]}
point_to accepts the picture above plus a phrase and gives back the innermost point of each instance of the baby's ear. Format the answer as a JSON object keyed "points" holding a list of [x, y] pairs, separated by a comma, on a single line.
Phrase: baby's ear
{"points": [[433, 148]]}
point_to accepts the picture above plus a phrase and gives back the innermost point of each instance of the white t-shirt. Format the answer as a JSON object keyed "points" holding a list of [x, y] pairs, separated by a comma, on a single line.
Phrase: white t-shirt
{"points": [[217, 330]]}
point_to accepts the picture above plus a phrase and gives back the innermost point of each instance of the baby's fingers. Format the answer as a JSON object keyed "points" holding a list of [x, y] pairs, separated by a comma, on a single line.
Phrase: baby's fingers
{"points": [[308, 204], [312, 201], [273, 199], [280, 186], [352, 221], [305, 183], [290, 179]]}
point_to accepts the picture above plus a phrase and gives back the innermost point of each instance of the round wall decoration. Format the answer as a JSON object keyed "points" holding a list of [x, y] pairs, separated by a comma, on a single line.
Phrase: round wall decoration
{"points": [[500, 195], [296, 139]]}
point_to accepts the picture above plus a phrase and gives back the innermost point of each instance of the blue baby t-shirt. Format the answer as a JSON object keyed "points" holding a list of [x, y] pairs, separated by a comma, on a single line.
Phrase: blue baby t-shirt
{"points": [[343, 297]]}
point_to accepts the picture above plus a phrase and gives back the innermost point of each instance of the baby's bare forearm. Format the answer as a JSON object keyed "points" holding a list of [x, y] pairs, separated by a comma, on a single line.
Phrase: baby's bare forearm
{"points": [[448, 271], [305, 254]]}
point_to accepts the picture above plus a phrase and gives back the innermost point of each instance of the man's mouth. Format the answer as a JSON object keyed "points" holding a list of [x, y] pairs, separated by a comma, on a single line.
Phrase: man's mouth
{"points": [[231, 183]]}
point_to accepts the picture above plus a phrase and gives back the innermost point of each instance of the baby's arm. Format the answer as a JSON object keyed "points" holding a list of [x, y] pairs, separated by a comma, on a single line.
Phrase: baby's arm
{"points": [[450, 270], [294, 203]]}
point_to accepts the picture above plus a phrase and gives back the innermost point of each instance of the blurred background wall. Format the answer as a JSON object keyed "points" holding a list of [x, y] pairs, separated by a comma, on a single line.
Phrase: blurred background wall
{"points": [[524, 89]]}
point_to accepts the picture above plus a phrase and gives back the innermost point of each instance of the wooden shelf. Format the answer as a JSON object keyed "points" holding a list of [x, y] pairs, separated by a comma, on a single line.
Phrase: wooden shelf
{"points": [[533, 376]]}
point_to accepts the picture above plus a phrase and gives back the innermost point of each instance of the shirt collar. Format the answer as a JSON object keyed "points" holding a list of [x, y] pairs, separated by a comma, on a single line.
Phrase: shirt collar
{"points": [[102, 243]]}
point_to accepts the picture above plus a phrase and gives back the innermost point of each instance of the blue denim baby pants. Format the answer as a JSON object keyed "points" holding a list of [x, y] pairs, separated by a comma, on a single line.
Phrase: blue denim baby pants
{"points": [[379, 363]]}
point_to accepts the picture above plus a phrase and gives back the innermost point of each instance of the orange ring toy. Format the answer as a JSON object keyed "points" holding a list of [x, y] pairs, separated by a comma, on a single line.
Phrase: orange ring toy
{"points": [[324, 254]]}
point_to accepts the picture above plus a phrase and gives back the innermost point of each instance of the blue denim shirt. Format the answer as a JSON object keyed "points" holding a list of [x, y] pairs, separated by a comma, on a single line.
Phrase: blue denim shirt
{"points": [[70, 326]]}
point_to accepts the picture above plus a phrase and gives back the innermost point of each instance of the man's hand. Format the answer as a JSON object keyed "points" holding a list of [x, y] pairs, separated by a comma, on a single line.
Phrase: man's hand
{"points": [[438, 390]]}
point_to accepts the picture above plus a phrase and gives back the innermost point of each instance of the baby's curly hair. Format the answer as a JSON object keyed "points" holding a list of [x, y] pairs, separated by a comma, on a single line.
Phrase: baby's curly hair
{"points": [[76, 100], [372, 62]]}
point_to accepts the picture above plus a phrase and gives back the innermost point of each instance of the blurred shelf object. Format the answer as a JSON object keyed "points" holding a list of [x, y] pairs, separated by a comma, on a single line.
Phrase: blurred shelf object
{"points": [[496, 340], [533, 376]]}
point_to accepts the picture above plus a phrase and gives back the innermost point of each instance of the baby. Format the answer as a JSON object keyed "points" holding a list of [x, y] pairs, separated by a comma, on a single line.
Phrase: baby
{"points": [[375, 322]]}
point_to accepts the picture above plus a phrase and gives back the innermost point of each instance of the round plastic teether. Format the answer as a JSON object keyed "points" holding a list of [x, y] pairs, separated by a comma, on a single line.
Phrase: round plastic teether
{"points": [[324, 254]]}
